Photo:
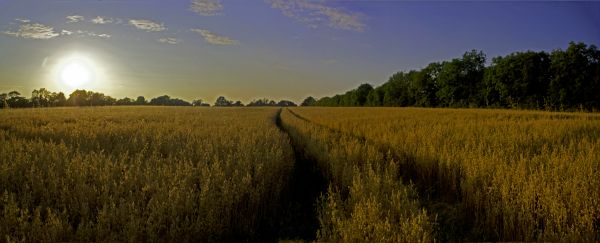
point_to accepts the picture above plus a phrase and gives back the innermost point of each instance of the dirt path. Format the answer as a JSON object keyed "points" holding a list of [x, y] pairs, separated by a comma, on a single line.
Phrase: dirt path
{"points": [[299, 213]]}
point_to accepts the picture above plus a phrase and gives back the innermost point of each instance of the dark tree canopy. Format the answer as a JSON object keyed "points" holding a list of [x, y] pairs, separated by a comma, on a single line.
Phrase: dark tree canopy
{"points": [[165, 100], [199, 102], [222, 101], [268, 102], [308, 101], [561, 80], [284, 103], [141, 100]]}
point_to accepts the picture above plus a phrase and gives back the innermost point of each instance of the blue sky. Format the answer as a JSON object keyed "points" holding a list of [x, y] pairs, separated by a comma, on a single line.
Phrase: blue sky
{"points": [[275, 48]]}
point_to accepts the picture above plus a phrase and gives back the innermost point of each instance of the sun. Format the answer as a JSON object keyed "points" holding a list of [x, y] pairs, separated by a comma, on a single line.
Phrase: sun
{"points": [[76, 73]]}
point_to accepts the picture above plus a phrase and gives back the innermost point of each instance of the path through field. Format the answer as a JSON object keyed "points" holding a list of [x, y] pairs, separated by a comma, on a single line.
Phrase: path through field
{"points": [[299, 215], [450, 221]]}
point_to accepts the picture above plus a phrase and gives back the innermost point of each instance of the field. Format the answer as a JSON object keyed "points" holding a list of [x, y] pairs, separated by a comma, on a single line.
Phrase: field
{"points": [[140, 174], [479, 174], [324, 174]]}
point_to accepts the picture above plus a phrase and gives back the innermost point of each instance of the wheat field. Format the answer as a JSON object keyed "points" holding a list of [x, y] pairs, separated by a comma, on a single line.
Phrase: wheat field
{"points": [[140, 174], [235, 174], [483, 174]]}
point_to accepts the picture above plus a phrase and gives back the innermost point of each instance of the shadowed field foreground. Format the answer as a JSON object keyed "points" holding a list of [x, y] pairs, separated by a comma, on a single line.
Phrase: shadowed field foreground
{"points": [[324, 174]]}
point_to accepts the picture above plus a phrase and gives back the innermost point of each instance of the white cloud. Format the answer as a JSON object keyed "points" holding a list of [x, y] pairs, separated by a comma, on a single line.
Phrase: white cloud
{"points": [[214, 38], [102, 20], [75, 18], [39, 31], [315, 14], [169, 40], [84, 33], [206, 7], [23, 20], [33, 31], [104, 36], [147, 25]]}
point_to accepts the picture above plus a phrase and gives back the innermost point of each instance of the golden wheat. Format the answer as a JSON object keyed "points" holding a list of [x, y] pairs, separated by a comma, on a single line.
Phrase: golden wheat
{"points": [[139, 174], [394, 174], [366, 200], [514, 175]]}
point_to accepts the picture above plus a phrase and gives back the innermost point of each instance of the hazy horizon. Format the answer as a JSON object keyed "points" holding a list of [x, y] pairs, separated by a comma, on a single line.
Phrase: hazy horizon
{"points": [[279, 49]]}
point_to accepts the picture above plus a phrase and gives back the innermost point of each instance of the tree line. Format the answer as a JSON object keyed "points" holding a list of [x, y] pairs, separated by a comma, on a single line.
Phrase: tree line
{"points": [[45, 98], [560, 80]]}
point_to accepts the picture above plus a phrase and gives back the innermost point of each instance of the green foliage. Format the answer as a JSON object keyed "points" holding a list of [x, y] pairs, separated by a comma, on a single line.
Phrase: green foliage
{"points": [[222, 101], [165, 100], [268, 102], [89, 98], [574, 79], [45, 98], [517, 80], [459, 80], [309, 101], [563, 80]]}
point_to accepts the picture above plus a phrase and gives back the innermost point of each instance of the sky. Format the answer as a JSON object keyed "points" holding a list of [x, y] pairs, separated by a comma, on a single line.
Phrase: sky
{"points": [[250, 49]]}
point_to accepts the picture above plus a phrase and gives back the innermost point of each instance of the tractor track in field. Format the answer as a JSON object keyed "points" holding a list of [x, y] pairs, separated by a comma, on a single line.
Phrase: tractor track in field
{"points": [[299, 212], [453, 222]]}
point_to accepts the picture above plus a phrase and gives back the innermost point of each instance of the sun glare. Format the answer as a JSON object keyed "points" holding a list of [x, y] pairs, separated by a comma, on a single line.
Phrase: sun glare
{"points": [[76, 74], [77, 71]]}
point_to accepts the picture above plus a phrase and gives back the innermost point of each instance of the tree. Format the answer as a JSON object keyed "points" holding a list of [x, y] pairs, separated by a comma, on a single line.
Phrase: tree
{"points": [[309, 101], [574, 77], [57, 99], [199, 102], [13, 94], [16, 100], [260, 102], [79, 98], [40, 98], [222, 101], [4, 100], [396, 92], [460, 80], [96, 98], [165, 100], [361, 93], [375, 97], [161, 100], [125, 101], [329, 101], [517, 80], [141, 101], [425, 85], [285, 103]]}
